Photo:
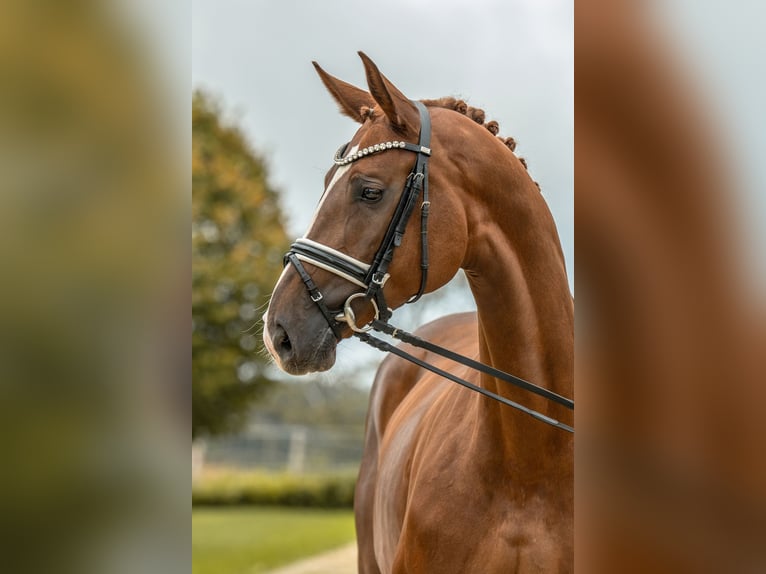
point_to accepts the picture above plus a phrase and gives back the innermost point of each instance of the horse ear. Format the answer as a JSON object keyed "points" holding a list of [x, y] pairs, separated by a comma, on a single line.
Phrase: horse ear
{"points": [[397, 107], [350, 98]]}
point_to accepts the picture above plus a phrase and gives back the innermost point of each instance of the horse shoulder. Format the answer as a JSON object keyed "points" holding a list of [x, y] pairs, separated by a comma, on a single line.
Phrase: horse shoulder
{"points": [[400, 396], [396, 377]]}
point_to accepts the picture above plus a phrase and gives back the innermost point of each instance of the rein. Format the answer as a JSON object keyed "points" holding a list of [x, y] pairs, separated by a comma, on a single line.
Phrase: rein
{"points": [[373, 276], [415, 341]]}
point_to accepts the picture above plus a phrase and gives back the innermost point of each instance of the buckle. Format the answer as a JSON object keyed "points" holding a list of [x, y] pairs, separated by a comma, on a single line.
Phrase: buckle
{"points": [[379, 278], [318, 297]]}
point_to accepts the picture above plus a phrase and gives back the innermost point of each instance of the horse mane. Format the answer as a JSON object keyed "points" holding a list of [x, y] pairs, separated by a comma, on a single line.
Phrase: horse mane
{"points": [[477, 115]]}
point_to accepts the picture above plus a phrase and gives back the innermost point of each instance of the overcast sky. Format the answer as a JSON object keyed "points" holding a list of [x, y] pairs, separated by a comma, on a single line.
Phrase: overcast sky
{"points": [[513, 58]]}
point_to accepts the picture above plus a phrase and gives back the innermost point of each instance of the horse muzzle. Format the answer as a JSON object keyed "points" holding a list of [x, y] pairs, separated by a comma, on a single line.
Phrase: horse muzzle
{"points": [[298, 350]]}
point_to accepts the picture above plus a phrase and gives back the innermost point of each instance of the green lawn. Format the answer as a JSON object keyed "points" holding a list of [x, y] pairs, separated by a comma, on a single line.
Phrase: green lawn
{"points": [[248, 540]]}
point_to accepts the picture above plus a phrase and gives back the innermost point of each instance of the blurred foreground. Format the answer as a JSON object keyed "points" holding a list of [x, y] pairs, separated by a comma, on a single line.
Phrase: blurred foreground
{"points": [[94, 328], [671, 475]]}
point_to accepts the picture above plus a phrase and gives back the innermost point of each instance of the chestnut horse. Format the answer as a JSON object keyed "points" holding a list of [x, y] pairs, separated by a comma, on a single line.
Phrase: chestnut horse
{"points": [[450, 481]]}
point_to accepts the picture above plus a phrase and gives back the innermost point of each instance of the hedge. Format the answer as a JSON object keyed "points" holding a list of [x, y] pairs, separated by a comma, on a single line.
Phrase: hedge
{"points": [[229, 488]]}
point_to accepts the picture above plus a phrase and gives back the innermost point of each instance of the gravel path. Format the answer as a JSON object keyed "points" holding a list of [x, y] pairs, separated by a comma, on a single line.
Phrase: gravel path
{"points": [[339, 561]]}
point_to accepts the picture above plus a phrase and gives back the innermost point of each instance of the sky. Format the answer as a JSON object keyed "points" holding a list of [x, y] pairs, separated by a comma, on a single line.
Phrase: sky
{"points": [[512, 58]]}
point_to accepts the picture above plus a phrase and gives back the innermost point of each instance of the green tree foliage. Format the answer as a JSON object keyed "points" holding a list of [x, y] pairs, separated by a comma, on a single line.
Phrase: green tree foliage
{"points": [[238, 239]]}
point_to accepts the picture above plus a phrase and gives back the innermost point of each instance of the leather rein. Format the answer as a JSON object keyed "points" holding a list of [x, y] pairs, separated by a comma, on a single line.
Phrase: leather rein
{"points": [[372, 278]]}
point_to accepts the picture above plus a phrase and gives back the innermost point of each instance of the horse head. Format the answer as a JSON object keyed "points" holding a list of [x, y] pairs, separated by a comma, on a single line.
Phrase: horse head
{"points": [[367, 249]]}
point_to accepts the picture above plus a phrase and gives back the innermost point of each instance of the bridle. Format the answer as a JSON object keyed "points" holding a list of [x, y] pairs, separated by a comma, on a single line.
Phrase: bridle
{"points": [[371, 277]]}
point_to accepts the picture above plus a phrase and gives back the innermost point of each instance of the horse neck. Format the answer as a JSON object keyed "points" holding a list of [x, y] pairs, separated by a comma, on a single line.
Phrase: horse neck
{"points": [[516, 271]]}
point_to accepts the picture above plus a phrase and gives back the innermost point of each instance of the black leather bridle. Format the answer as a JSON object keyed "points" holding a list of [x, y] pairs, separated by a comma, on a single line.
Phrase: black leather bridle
{"points": [[373, 276]]}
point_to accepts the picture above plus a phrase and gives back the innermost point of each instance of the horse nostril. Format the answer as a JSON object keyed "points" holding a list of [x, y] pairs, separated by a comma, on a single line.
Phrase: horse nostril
{"points": [[284, 343]]}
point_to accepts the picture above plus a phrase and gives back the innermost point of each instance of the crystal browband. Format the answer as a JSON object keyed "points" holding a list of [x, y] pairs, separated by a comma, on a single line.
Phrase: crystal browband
{"points": [[375, 149]]}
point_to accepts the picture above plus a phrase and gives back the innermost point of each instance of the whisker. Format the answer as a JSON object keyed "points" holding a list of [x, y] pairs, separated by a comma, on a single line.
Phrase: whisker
{"points": [[251, 327], [259, 321]]}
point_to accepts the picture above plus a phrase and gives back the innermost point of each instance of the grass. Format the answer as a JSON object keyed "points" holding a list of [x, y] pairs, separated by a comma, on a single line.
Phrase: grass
{"points": [[249, 540]]}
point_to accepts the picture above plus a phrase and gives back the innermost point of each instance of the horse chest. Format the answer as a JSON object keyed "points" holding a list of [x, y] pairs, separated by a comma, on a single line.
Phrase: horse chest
{"points": [[464, 534], [444, 506]]}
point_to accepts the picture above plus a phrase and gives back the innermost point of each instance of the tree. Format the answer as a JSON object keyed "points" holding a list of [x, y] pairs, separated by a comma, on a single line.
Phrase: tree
{"points": [[238, 239]]}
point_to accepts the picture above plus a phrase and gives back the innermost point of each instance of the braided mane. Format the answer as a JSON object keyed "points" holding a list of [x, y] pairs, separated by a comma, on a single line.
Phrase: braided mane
{"points": [[477, 115]]}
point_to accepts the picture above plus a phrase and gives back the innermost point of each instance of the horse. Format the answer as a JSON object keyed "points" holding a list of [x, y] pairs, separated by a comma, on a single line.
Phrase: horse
{"points": [[450, 480]]}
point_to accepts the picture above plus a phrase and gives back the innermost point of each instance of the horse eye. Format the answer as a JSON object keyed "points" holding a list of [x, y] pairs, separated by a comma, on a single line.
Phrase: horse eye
{"points": [[371, 194]]}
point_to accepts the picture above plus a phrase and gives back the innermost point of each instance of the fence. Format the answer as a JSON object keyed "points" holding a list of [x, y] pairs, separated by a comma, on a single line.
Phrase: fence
{"points": [[293, 448]]}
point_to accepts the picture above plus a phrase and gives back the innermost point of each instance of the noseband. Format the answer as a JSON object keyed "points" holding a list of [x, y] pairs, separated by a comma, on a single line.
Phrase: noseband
{"points": [[372, 276]]}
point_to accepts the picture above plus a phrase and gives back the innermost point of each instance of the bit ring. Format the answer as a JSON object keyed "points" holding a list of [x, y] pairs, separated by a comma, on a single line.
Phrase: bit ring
{"points": [[349, 317]]}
